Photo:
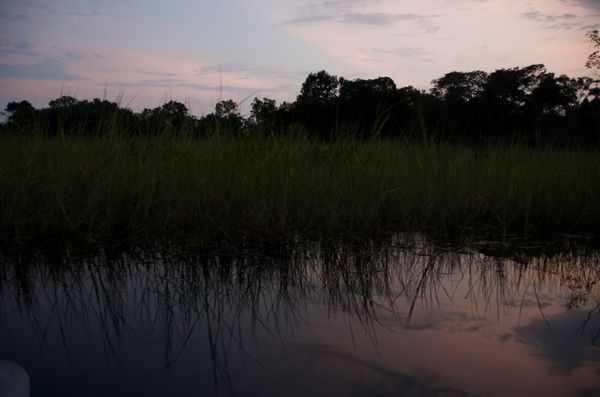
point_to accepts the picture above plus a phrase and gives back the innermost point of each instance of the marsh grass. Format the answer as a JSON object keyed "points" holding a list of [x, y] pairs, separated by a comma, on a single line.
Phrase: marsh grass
{"points": [[136, 189]]}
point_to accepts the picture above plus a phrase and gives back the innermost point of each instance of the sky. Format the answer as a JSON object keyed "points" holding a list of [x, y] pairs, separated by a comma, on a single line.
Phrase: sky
{"points": [[143, 53]]}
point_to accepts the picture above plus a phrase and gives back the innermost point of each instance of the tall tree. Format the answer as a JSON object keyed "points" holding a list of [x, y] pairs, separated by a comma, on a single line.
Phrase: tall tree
{"points": [[174, 108], [262, 111], [20, 113], [63, 102], [320, 88], [554, 94], [511, 87], [227, 109], [365, 90], [459, 86]]}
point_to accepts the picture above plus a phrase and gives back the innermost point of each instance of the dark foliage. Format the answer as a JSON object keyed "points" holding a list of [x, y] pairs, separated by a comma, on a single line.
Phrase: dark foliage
{"points": [[593, 61], [528, 105]]}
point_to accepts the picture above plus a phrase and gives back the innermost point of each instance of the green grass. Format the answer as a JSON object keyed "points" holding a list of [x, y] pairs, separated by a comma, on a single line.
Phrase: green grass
{"points": [[177, 188]]}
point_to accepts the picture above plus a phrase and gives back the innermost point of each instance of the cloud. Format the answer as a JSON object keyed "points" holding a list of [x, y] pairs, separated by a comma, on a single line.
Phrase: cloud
{"points": [[12, 17], [373, 19], [40, 5], [329, 6], [324, 11], [390, 56], [404, 52], [76, 55], [539, 16], [28, 49], [564, 26], [20, 48], [374, 379], [243, 69], [307, 19], [589, 4], [370, 19], [46, 69], [153, 72], [565, 341], [565, 21], [83, 14], [379, 19], [71, 8], [142, 71], [175, 83], [590, 27], [353, 12]]}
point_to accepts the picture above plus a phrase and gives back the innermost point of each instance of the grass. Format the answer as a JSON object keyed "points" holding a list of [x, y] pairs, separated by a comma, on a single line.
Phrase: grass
{"points": [[139, 189]]}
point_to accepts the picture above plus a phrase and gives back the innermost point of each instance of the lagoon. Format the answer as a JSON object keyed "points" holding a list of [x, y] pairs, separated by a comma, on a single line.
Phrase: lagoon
{"points": [[407, 317]]}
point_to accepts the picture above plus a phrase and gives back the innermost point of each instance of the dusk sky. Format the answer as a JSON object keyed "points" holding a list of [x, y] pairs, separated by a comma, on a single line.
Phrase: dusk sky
{"points": [[153, 51]]}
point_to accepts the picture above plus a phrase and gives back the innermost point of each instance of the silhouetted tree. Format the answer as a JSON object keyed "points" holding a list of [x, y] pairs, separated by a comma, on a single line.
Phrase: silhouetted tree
{"points": [[63, 102], [263, 111], [525, 103], [584, 88], [554, 95], [366, 105], [364, 90], [319, 88], [225, 118], [226, 109], [171, 117], [510, 87], [315, 107], [20, 113], [460, 86], [174, 108], [593, 60]]}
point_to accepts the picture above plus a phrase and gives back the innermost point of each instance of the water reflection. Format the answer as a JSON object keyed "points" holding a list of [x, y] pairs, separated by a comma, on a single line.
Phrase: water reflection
{"points": [[321, 319]]}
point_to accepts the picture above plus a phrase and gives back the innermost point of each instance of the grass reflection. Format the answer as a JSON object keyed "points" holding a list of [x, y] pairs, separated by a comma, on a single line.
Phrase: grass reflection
{"points": [[227, 297]]}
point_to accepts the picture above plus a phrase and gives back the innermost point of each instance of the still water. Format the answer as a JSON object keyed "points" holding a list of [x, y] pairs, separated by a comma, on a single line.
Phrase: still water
{"points": [[396, 319]]}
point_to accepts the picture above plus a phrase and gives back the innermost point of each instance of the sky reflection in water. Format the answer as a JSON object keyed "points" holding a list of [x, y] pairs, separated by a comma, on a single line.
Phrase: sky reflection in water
{"points": [[323, 320]]}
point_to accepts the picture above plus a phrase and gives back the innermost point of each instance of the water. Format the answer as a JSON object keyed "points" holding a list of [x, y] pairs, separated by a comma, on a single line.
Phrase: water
{"points": [[320, 320]]}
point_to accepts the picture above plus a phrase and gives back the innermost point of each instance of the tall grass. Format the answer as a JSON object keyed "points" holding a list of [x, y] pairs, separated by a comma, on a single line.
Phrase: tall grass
{"points": [[221, 187]]}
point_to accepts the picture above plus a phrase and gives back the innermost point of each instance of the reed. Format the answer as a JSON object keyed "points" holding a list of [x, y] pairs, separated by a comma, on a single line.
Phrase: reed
{"points": [[222, 187]]}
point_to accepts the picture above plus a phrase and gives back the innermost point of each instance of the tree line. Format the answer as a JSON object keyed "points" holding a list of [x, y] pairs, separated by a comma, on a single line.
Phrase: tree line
{"points": [[525, 104]]}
